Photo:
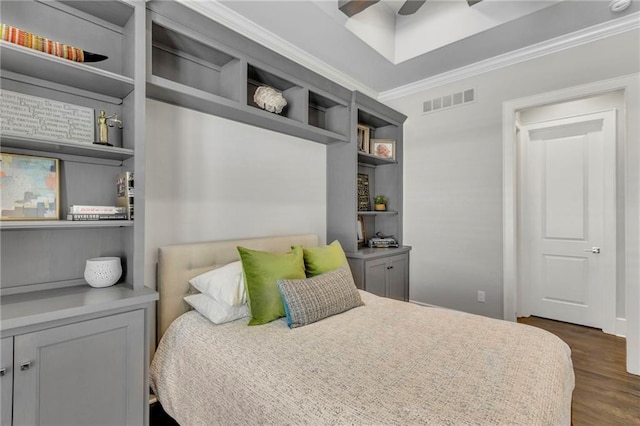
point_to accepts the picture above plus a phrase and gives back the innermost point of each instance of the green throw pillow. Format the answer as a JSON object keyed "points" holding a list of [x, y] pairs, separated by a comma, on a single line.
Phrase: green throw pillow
{"points": [[262, 270], [318, 260]]}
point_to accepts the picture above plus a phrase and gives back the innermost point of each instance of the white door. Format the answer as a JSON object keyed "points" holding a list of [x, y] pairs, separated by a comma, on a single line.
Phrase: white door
{"points": [[568, 218]]}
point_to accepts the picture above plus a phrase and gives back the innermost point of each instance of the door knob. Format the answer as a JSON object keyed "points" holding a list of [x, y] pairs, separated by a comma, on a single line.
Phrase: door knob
{"points": [[25, 366], [3, 371], [595, 250]]}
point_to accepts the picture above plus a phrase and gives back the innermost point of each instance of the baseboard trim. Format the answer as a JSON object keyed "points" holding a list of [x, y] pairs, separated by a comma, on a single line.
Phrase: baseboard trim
{"points": [[427, 305], [621, 327]]}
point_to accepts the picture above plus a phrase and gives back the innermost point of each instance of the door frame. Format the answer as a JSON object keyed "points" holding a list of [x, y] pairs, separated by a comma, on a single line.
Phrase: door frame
{"points": [[511, 285]]}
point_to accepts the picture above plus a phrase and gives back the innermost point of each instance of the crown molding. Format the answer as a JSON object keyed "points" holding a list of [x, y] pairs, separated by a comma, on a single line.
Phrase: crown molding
{"points": [[607, 29], [235, 21]]}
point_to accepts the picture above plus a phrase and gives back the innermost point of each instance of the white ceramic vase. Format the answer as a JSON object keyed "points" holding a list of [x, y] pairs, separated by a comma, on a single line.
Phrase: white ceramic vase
{"points": [[102, 271]]}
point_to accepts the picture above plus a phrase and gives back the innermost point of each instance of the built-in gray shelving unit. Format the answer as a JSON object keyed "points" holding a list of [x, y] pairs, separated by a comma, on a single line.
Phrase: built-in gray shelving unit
{"points": [[197, 63], [45, 300], [87, 171], [345, 161], [383, 271]]}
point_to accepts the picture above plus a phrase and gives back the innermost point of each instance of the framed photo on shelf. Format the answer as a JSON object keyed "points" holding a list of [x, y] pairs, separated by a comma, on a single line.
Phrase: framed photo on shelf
{"points": [[30, 187], [384, 148], [363, 138], [361, 232]]}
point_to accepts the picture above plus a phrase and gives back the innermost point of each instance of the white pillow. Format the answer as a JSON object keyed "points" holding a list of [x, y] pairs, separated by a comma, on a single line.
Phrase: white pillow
{"points": [[224, 284], [216, 312]]}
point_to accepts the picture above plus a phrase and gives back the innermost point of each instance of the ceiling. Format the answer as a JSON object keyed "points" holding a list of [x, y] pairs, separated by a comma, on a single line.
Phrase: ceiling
{"points": [[382, 51]]}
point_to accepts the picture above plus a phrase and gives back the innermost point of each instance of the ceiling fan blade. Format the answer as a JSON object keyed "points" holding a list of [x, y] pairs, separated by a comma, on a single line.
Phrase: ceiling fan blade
{"points": [[352, 7], [472, 2], [410, 6]]}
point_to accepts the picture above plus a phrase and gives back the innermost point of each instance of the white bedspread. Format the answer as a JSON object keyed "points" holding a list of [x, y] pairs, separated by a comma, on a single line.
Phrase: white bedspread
{"points": [[387, 362]]}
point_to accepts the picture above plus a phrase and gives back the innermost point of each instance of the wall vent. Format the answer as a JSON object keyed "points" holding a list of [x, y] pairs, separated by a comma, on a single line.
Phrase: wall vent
{"points": [[449, 101]]}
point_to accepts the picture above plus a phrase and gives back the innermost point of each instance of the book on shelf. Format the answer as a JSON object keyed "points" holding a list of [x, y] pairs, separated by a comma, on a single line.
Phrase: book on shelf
{"points": [[125, 192], [97, 216], [80, 209]]}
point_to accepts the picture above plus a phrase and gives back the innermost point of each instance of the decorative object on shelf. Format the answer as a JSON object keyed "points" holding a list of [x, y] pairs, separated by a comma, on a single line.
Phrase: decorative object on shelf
{"points": [[363, 192], [269, 99], [363, 138], [104, 122], [384, 242], [125, 192], [384, 148], [80, 209], [30, 187], [97, 216], [102, 271], [40, 118], [32, 41], [380, 203], [618, 6], [361, 233], [77, 213]]}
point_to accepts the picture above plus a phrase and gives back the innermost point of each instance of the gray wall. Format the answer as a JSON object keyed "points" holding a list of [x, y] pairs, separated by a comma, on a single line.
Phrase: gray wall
{"points": [[209, 178], [453, 170]]}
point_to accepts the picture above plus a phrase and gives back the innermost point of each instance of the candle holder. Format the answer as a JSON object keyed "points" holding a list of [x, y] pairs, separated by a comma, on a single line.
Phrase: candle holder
{"points": [[102, 271]]}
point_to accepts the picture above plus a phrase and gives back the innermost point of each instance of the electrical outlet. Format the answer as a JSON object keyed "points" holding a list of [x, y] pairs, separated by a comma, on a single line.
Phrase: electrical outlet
{"points": [[481, 296]]}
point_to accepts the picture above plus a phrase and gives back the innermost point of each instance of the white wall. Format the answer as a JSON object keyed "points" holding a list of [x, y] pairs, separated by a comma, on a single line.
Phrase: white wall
{"points": [[209, 178], [453, 170]]}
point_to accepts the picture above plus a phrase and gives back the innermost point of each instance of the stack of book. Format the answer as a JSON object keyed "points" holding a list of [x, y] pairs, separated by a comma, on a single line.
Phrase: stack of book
{"points": [[124, 192], [97, 213]]}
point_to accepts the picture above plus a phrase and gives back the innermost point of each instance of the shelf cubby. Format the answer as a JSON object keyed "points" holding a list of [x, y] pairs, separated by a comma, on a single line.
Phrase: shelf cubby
{"points": [[295, 95], [194, 64], [42, 66], [327, 113]]}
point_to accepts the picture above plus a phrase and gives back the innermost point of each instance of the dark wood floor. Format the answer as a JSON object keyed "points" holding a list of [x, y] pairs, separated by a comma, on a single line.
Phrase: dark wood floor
{"points": [[605, 393]]}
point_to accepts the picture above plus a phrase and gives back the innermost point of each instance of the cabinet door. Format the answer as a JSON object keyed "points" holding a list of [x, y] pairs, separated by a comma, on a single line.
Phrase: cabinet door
{"points": [[6, 380], [375, 277], [87, 373], [398, 275]]}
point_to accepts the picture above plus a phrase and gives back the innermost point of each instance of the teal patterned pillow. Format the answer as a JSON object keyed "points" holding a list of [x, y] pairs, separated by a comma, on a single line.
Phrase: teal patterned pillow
{"points": [[312, 299]]}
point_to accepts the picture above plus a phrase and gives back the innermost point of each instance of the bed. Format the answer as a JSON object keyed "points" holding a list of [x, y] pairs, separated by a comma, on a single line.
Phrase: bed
{"points": [[387, 362]]}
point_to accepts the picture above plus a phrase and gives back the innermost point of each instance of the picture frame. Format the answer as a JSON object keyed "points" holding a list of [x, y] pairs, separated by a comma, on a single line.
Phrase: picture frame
{"points": [[361, 233], [364, 138], [364, 203], [384, 148], [30, 187]]}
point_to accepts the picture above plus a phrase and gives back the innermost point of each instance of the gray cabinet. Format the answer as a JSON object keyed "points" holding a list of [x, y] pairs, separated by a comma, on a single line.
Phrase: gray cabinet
{"points": [[384, 272], [6, 380], [86, 373]]}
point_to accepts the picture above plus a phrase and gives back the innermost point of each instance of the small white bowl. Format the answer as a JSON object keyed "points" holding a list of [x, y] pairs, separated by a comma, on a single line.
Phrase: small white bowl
{"points": [[102, 271]]}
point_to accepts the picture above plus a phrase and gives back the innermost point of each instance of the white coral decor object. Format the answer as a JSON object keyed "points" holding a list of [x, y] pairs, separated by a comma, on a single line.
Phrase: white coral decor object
{"points": [[269, 99]]}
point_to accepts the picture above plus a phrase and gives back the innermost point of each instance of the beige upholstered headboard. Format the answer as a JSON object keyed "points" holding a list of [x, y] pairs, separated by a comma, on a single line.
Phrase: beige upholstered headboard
{"points": [[177, 264]]}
